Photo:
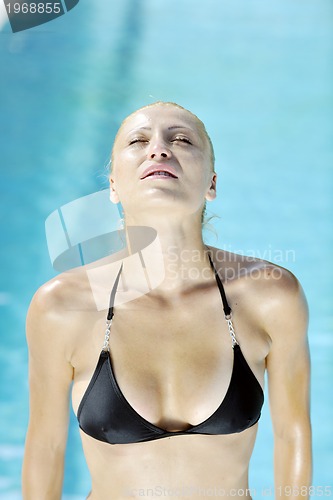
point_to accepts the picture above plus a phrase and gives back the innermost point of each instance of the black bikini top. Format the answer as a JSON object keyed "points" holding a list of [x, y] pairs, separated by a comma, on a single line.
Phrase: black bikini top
{"points": [[105, 414]]}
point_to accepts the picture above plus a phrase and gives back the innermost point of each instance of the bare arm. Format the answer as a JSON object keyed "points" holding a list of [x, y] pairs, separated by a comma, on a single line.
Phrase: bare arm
{"points": [[288, 368], [50, 376]]}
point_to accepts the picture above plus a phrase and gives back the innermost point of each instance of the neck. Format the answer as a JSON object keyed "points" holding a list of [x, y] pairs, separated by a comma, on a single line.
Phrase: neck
{"points": [[177, 252], [162, 257]]}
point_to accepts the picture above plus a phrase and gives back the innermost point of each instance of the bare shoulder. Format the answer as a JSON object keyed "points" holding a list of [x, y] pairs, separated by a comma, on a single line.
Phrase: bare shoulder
{"points": [[258, 272], [65, 292], [271, 290], [56, 306]]}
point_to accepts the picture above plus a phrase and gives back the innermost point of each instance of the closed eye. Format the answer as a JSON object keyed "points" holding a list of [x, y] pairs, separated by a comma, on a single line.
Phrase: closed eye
{"points": [[182, 139], [137, 140]]}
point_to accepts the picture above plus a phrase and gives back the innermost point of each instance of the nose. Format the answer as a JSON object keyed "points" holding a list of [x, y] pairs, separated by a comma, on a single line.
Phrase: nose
{"points": [[158, 150]]}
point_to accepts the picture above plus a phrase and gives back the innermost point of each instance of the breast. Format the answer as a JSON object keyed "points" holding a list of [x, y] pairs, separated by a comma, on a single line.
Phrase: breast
{"points": [[105, 414]]}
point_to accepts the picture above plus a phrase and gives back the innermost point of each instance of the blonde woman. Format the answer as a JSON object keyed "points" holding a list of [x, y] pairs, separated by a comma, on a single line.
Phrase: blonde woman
{"points": [[168, 398]]}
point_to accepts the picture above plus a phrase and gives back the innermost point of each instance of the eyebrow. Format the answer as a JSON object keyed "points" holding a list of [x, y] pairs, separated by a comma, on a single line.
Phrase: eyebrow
{"points": [[179, 127]]}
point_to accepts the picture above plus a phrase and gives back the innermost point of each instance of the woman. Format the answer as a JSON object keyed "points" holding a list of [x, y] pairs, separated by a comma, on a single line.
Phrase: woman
{"points": [[173, 405]]}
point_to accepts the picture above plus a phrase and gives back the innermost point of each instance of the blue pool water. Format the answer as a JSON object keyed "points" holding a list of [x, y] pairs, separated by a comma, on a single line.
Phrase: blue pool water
{"points": [[259, 74]]}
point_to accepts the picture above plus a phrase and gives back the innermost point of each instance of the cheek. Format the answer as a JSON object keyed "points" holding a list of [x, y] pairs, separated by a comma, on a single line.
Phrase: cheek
{"points": [[123, 175], [126, 162], [203, 171], [119, 167]]}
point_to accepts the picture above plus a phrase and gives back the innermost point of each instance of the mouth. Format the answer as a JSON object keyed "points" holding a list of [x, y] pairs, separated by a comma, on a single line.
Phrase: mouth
{"points": [[156, 173]]}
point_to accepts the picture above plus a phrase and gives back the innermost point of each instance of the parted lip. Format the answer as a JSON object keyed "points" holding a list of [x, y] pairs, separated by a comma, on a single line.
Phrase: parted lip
{"points": [[159, 168]]}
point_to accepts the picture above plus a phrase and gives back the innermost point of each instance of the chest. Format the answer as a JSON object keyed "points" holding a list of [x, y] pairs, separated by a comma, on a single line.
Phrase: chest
{"points": [[172, 365], [178, 374]]}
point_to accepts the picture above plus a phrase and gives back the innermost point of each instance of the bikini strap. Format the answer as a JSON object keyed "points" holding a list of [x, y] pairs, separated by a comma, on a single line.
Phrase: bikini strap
{"points": [[226, 308], [110, 314]]}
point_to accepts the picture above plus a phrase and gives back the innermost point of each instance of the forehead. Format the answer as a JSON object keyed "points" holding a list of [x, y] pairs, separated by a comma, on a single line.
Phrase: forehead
{"points": [[160, 117]]}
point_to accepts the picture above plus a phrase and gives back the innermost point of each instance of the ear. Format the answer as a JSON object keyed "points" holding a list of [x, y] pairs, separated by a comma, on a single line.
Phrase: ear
{"points": [[113, 193], [211, 193]]}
